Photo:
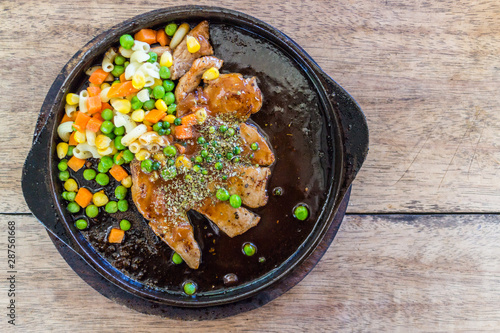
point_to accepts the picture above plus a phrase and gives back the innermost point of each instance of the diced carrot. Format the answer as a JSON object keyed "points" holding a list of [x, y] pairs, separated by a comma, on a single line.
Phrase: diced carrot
{"points": [[105, 106], [189, 120], [149, 128], [94, 124], [180, 148], [94, 91], [98, 116], [83, 197], [121, 89], [66, 118], [94, 104], [81, 121], [154, 116], [118, 172], [72, 141], [146, 36], [161, 37], [75, 163], [183, 132], [122, 78], [116, 235], [98, 76]]}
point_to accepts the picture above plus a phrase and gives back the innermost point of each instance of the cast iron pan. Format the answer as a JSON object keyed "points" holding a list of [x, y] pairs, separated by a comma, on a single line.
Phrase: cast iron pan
{"points": [[318, 131]]}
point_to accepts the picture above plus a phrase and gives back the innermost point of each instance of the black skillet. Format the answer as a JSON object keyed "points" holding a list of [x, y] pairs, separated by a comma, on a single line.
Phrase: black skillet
{"points": [[320, 137]]}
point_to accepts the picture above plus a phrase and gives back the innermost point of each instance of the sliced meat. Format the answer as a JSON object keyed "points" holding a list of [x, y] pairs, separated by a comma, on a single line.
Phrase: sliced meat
{"points": [[175, 230], [250, 185], [190, 81], [183, 59], [232, 221], [233, 94], [262, 156], [159, 50]]}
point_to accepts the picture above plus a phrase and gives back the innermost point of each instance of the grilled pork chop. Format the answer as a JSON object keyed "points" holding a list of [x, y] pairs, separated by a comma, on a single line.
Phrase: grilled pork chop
{"points": [[192, 78]]}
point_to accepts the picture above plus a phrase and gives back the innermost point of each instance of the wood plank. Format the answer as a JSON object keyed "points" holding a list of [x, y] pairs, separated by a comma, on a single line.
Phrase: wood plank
{"points": [[382, 273], [425, 73]]}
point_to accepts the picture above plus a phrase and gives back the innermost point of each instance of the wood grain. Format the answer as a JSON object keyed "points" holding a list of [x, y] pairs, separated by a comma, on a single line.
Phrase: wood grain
{"points": [[425, 73], [382, 273]]}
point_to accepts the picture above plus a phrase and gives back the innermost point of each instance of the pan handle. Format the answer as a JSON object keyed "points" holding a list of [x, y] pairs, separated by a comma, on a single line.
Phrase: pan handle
{"points": [[354, 129], [36, 189]]}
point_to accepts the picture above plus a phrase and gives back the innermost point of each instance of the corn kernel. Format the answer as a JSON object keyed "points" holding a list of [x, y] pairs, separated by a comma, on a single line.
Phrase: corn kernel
{"points": [[62, 149], [147, 123], [138, 115], [100, 199], [105, 85], [79, 137], [159, 157], [166, 59], [102, 141], [211, 74], [122, 105], [127, 182], [70, 185], [138, 80], [129, 97], [161, 105], [193, 45], [142, 154], [201, 115], [183, 161], [72, 99], [158, 82], [170, 118]]}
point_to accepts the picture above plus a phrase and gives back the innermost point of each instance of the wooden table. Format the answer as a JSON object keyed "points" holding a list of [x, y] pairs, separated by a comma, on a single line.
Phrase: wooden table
{"points": [[419, 249]]}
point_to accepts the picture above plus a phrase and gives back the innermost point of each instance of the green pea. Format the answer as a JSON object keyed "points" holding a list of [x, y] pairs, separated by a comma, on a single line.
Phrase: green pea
{"points": [[64, 195], [170, 162], [126, 63], [69, 196], [219, 166], [198, 159], [136, 103], [168, 131], [170, 150], [120, 192], [169, 85], [156, 165], [177, 259], [204, 172], [157, 126], [189, 287], [107, 114], [196, 168], [122, 205], [81, 224], [224, 178], [118, 159], [162, 131], [107, 162], [214, 143], [111, 135], [249, 249], [73, 207], [158, 92], [229, 155], [118, 143], [64, 175], [107, 127], [201, 140], [147, 165], [70, 150], [172, 108], [119, 130], [301, 213], [236, 160], [127, 41], [128, 156], [235, 201], [204, 153], [92, 211], [222, 194], [168, 173], [231, 131], [111, 207], [170, 29], [237, 150], [102, 168], [254, 146], [177, 121], [149, 104], [89, 174], [102, 179], [169, 98], [222, 128], [125, 225], [63, 165], [153, 57], [119, 60], [118, 70], [211, 130], [165, 72], [166, 125]]}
